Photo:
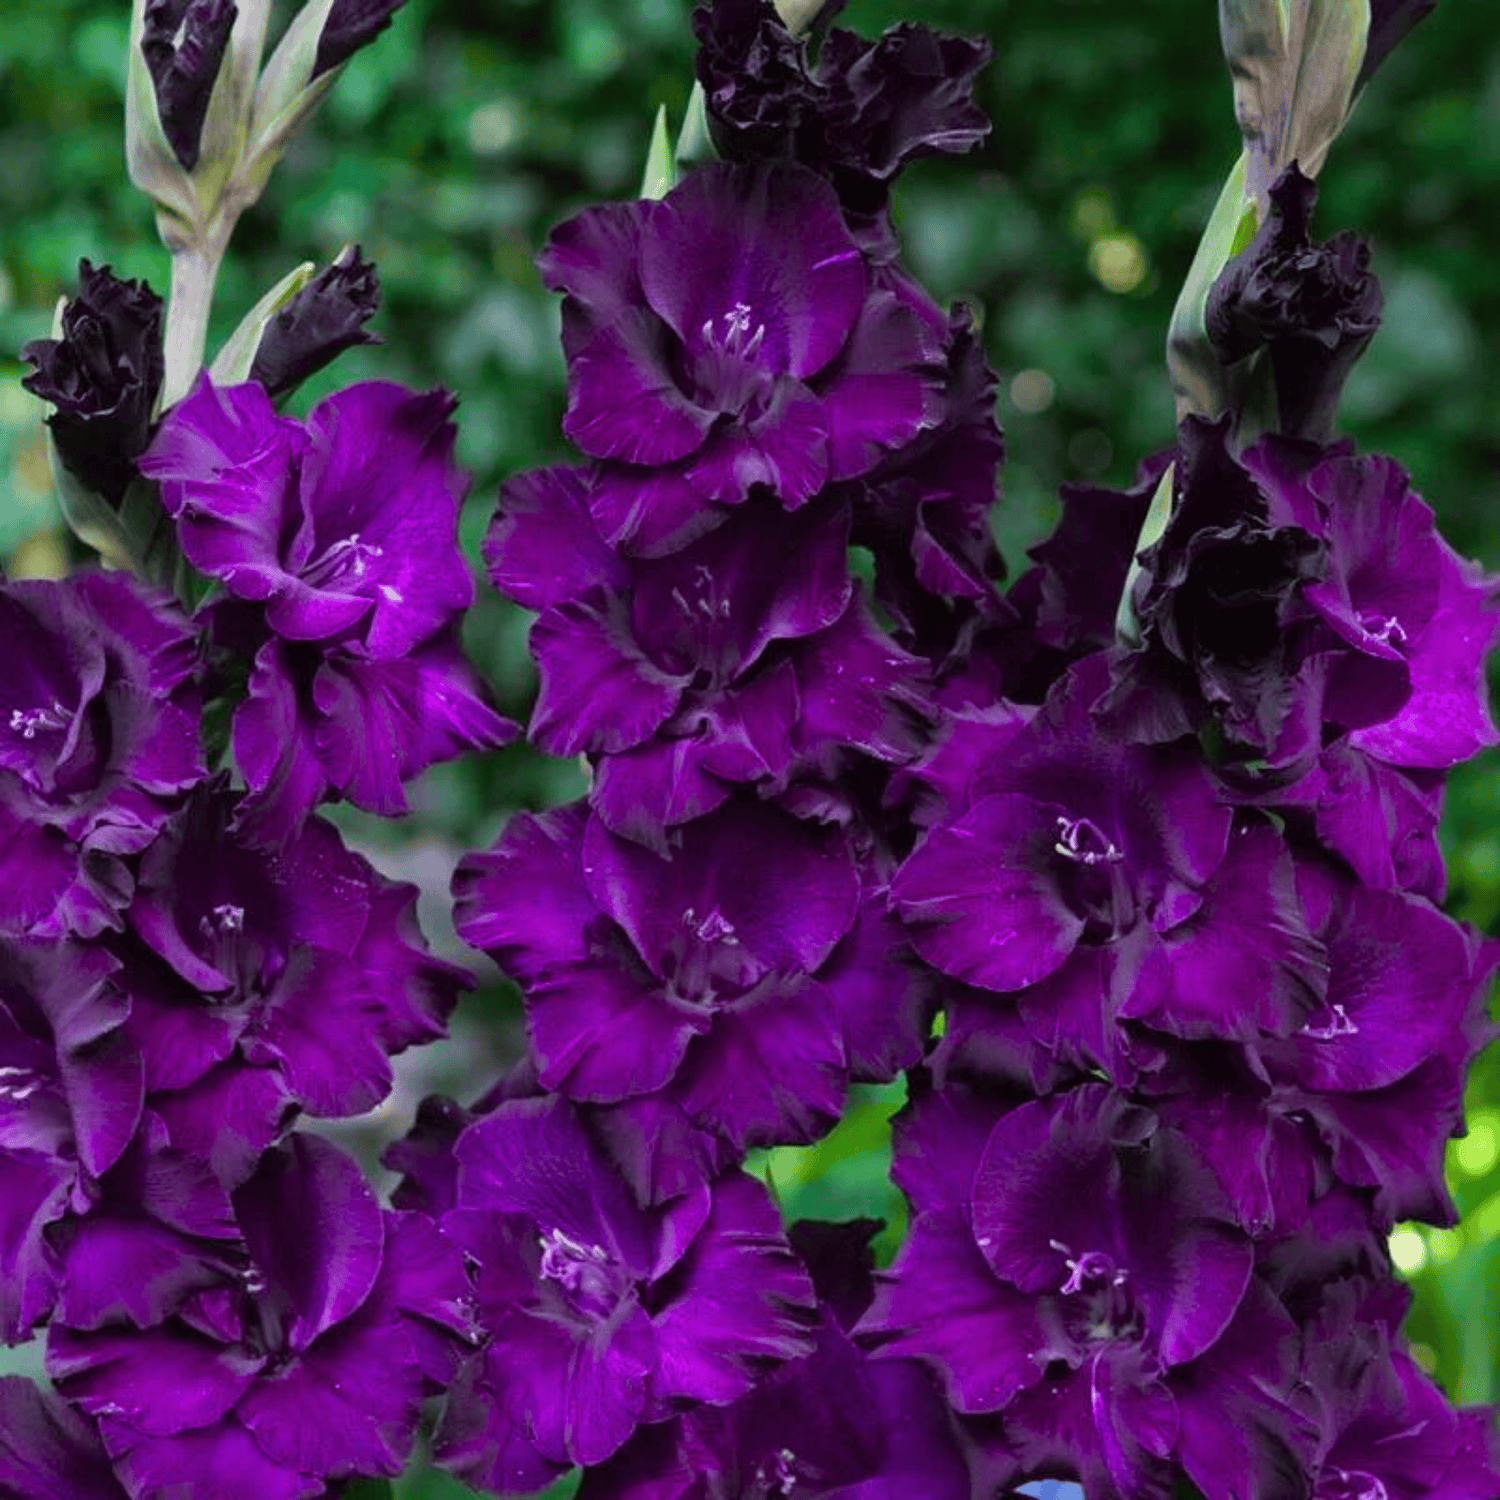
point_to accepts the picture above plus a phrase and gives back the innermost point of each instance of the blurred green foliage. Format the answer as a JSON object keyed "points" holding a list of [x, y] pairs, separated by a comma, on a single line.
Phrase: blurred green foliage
{"points": [[450, 147]]}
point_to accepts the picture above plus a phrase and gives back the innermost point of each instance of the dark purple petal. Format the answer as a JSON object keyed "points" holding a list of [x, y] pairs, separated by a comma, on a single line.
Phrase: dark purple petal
{"points": [[102, 378], [1245, 963], [723, 887], [47, 1450], [772, 1070], [599, 691], [980, 899], [156, 1381], [351, 24], [771, 242], [323, 320], [884, 389], [542, 547], [741, 1301], [532, 1157], [315, 1232], [183, 44], [623, 398], [221, 1462], [941, 1303]]}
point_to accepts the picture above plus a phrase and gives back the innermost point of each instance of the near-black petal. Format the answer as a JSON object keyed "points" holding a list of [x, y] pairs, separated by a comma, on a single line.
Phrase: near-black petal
{"points": [[351, 24], [1313, 306], [318, 324], [103, 377], [183, 42]]}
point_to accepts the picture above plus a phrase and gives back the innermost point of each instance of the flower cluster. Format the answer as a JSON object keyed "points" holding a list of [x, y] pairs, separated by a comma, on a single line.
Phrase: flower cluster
{"points": [[191, 958], [1206, 1030], [704, 944], [1131, 872]]}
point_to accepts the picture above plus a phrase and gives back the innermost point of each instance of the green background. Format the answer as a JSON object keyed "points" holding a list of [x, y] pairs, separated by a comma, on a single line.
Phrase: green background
{"points": [[450, 147]]}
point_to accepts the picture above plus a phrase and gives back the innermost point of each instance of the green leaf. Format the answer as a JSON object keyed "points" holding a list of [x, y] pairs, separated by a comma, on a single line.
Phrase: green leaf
{"points": [[1197, 375], [232, 364], [286, 95], [139, 536], [1127, 627], [660, 176], [368, 1489], [695, 145]]}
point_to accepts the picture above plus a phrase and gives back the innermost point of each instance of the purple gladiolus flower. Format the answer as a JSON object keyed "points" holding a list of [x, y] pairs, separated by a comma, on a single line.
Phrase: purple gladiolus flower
{"points": [[336, 721], [343, 530], [1385, 1428], [832, 1426], [691, 975], [70, 1101], [726, 337], [98, 742], [924, 513], [1098, 882], [305, 963], [103, 377], [307, 1363], [1073, 1264], [602, 1315], [1396, 594], [183, 42], [343, 526]]}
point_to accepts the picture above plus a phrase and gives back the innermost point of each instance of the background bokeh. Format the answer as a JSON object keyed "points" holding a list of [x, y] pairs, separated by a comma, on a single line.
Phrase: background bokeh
{"points": [[450, 147]]}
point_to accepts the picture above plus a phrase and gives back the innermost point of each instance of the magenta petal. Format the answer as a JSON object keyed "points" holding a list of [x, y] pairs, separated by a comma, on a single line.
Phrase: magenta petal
{"points": [[486, 1447], [315, 1231], [980, 900], [599, 691]]}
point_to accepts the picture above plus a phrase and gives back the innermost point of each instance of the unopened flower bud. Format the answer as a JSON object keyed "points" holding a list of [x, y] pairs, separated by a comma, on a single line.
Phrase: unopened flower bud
{"points": [[351, 24], [318, 324], [183, 42], [102, 376]]}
